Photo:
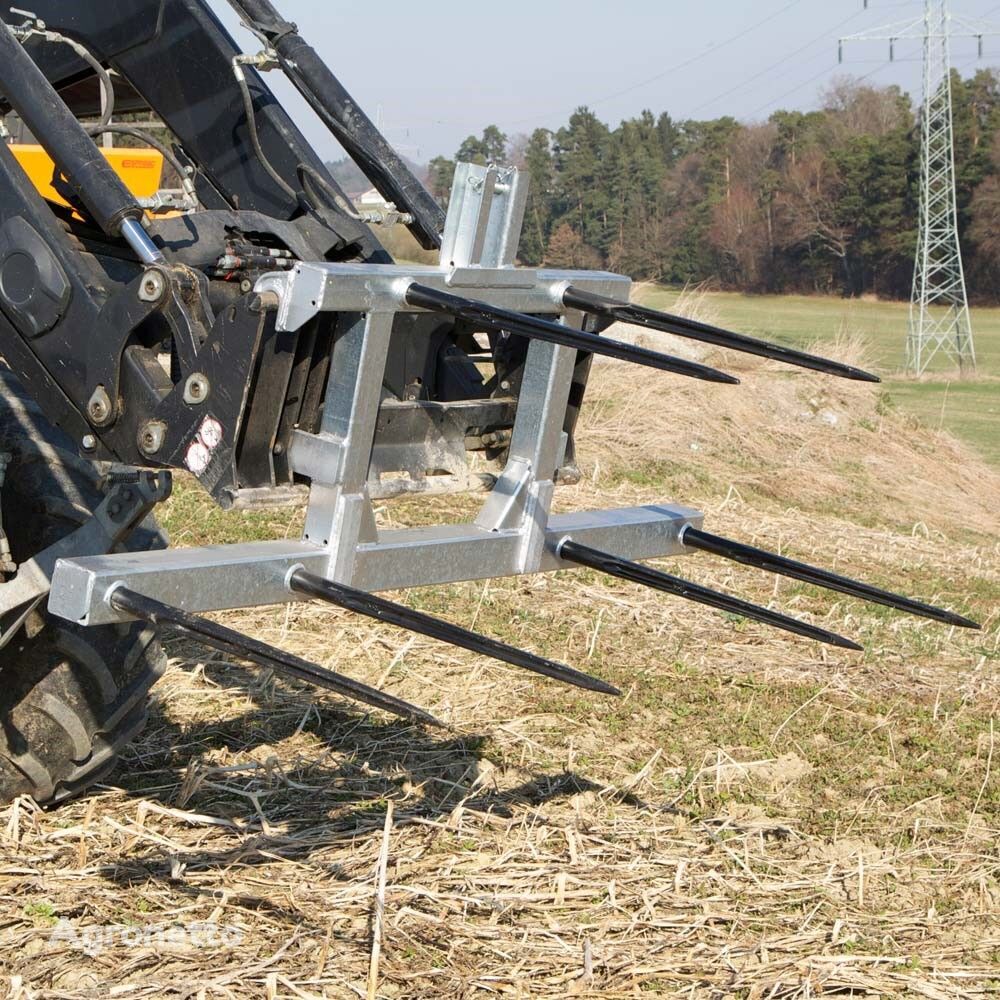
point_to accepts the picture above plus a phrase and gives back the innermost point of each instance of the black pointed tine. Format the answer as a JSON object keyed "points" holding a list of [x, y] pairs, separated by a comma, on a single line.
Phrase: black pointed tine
{"points": [[229, 641], [762, 559], [637, 573], [625, 312], [416, 621], [504, 320]]}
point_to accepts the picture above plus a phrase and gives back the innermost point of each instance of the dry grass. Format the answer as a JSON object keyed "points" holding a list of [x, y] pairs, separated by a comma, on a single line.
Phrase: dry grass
{"points": [[756, 817], [813, 443]]}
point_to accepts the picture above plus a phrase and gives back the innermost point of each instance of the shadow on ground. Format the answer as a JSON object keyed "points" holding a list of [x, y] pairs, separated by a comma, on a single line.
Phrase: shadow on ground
{"points": [[287, 806]]}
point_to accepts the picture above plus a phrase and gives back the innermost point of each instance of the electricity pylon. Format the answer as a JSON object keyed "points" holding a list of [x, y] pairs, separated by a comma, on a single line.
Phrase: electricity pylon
{"points": [[939, 306]]}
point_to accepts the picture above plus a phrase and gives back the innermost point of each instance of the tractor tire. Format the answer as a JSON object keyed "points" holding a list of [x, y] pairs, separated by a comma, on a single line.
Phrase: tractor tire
{"points": [[71, 697]]}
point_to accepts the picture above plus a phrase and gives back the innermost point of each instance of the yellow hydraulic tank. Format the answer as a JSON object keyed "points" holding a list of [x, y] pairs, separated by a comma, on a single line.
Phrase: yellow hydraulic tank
{"points": [[140, 169]]}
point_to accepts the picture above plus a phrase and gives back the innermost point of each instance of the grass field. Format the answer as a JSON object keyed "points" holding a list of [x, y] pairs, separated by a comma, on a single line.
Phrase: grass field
{"points": [[968, 407], [757, 817]]}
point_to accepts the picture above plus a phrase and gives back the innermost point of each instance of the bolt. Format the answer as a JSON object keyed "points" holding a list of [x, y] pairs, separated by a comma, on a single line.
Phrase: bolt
{"points": [[118, 478], [496, 439], [196, 389], [99, 406], [89, 442], [246, 285], [151, 436], [114, 509], [152, 286], [261, 303]]}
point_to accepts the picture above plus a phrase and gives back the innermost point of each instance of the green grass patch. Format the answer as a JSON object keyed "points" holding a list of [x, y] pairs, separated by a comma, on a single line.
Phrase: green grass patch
{"points": [[969, 408]]}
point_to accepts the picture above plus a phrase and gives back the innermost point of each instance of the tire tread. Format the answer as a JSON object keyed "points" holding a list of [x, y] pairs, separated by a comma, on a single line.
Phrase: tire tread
{"points": [[71, 698]]}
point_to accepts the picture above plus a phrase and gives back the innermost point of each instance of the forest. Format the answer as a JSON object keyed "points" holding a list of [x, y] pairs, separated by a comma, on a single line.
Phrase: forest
{"points": [[821, 201]]}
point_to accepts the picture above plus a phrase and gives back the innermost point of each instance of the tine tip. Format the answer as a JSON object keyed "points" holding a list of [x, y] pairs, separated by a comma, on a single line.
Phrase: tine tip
{"points": [[960, 622]]}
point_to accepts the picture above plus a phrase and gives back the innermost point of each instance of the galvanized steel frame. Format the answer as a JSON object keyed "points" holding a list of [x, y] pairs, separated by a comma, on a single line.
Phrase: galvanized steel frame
{"points": [[515, 531]]}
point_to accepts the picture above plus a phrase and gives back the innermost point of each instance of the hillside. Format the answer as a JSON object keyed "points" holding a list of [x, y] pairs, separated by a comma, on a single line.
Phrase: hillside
{"points": [[967, 405]]}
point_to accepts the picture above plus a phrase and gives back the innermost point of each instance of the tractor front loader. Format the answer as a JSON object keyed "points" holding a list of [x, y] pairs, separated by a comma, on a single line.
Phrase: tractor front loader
{"points": [[244, 325]]}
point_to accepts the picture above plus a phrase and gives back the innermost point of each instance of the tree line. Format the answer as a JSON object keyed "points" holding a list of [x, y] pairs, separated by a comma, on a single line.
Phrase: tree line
{"points": [[821, 201]]}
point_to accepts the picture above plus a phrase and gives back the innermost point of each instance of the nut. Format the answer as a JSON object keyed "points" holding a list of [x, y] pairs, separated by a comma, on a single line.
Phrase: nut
{"points": [[152, 286], [151, 436], [99, 406], [196, 389]]}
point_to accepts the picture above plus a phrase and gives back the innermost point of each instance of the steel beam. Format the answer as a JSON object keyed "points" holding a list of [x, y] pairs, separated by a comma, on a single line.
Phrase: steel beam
{"points": [[219, 577]]}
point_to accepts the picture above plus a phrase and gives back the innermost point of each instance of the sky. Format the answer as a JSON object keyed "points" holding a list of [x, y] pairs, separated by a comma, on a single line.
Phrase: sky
{"points": [[433, 73]]}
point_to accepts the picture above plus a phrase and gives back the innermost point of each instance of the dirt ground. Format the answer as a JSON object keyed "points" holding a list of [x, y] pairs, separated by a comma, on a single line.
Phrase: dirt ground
{"points": [[757, 816]]}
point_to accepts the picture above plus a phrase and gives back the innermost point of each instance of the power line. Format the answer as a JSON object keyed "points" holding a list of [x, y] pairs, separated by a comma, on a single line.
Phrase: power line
{"points": [[790, 55], [824, 72], [675, 68], [742, 84], [859, 79], [736, 36], [696, 58], [728, 41]]}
